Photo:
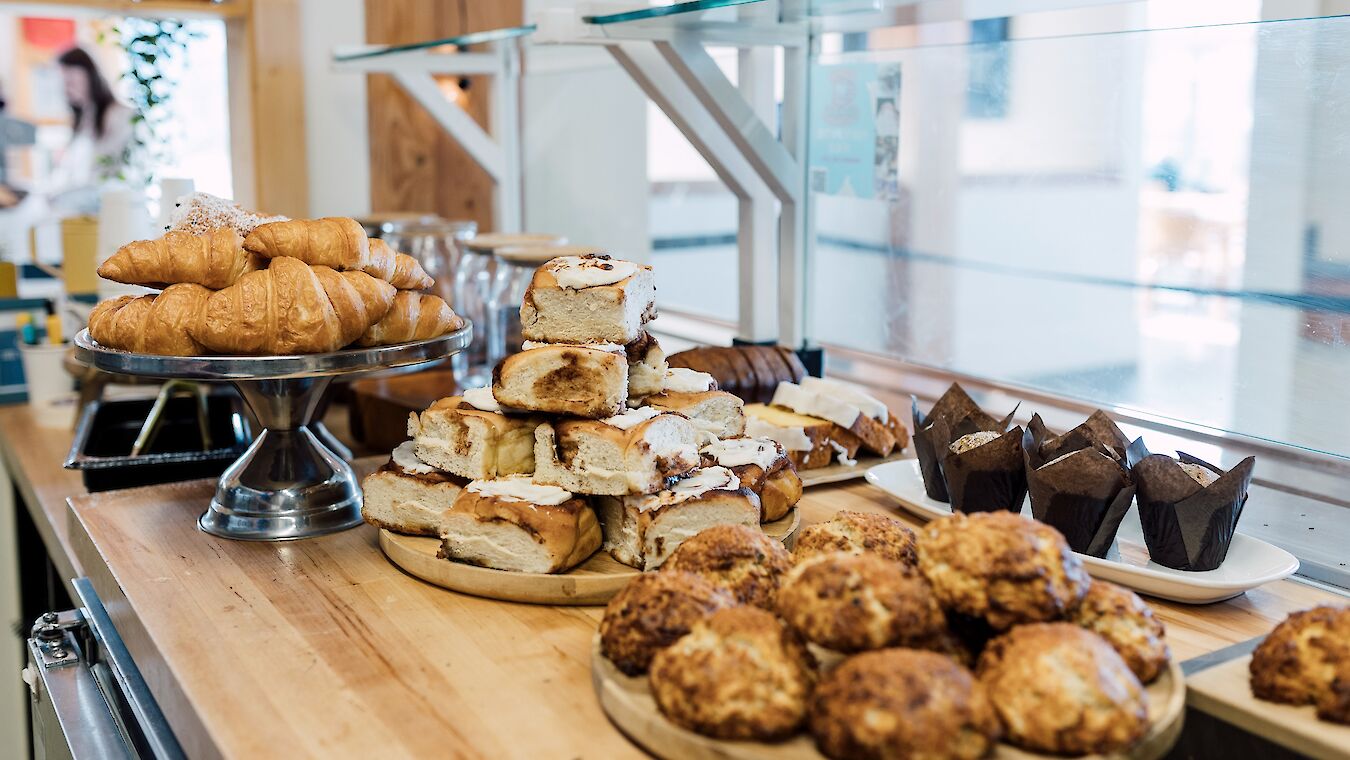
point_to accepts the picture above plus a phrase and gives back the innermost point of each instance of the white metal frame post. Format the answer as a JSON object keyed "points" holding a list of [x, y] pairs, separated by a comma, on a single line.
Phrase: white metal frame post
{"points": [[498, 152], [734, 129]]}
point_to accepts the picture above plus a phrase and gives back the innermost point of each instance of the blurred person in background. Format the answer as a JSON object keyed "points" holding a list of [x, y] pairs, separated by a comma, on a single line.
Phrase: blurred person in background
{"points": [[100, 135]]}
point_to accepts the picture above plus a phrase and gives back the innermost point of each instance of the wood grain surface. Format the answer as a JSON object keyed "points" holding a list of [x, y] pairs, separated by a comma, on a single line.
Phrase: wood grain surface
{"points": [[324, 647], [628, 701], [1225, 692]]}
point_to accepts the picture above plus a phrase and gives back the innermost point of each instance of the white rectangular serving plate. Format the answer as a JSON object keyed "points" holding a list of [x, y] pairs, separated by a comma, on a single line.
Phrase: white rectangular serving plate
{"points": [[838, 473], [1251, 562]]}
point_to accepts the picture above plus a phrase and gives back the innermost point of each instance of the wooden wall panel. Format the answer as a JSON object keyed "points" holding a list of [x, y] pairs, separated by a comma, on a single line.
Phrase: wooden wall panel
{"points": [[415, 166]]}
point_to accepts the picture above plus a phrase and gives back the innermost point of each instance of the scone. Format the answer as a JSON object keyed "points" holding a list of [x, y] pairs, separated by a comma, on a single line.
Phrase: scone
{"points": [[408, 495], [738, 558], [763, 467], [859, 533], [807, 440], [584, 299], [1118, 615], [902, 704], [651, 612], [1002, 567], [584, 381], [643, 530], [517, 525], [1061, 689], [1306, 660], [856, 602], [470, 436], [631, 453], [738, 674]]}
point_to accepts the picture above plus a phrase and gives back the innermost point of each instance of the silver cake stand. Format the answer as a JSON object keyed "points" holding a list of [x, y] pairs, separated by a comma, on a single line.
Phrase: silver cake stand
{"points": [[288, 484]]}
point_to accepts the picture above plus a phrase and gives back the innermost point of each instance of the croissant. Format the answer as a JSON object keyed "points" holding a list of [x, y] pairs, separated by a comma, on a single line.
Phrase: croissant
{"points": [[215, 260], [336, 242], [292, 308], [401, 270], [414, 316], [155, 324]]}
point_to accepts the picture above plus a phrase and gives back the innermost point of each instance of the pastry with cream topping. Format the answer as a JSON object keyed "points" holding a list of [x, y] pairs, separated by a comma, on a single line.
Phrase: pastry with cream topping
{"points": [[695, 395], [630, 453], [408, 495], [585, 381], [470, 436], [806, 439], [832, 401], [646, 361], [515, 524], [586, 299], [763, 467], [644, 530]]}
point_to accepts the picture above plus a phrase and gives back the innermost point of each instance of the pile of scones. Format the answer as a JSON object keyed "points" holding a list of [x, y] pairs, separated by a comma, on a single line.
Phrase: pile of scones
{"points": [[585, 438], [882, 643]]}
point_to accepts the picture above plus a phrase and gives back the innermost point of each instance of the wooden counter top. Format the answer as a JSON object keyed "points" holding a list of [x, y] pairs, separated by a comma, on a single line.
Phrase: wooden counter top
{"points": [[34, 455], [323, 647]]}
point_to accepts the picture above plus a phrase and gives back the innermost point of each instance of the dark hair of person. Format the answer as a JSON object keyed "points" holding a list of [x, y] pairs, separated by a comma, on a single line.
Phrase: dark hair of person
{"points": [[99, 91]]}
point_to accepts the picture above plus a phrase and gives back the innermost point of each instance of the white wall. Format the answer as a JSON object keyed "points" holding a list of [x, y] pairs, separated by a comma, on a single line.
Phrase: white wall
{"points": [[337, 137], [585, 150]]}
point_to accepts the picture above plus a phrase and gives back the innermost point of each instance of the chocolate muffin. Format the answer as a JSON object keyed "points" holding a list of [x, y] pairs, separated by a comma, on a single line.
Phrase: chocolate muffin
{"points": [[739, 674], [738, 558], [1306, 660], [1002, 567], [1062, 689], [854, 602], [651, 612], [902, 704], [858, 533]]}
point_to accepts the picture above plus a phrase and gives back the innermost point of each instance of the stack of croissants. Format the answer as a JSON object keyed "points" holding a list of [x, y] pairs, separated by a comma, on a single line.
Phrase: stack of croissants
{"points": [[299, 286]]}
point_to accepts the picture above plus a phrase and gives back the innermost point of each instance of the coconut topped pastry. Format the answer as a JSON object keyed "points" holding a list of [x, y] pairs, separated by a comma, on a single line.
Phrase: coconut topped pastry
{"points": [[200, 213], [1188, 507]]}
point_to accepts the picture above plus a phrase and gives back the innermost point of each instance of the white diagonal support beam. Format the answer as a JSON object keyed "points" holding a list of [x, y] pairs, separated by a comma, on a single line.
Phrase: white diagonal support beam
{"points": [[756, 235], [474, 139], [774, 164], [660, 83]]}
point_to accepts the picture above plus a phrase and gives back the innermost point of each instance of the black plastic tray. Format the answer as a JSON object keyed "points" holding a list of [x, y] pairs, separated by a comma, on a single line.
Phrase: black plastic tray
{"points": [[107, 430]]}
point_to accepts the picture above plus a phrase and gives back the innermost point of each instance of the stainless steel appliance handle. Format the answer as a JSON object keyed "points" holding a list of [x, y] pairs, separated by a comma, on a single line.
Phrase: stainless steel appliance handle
{"points": [[89, 699]]}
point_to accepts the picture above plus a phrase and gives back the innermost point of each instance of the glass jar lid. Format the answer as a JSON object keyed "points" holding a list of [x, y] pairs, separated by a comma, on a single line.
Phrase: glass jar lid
{"points": [[534, 255], [489, 242]]}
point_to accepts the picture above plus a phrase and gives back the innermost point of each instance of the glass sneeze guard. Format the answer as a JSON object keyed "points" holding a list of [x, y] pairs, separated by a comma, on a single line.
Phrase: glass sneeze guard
{"points": [[459, 41]]}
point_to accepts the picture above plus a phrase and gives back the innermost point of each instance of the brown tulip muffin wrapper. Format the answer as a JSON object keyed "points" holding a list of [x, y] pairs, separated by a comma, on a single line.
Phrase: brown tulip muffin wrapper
{"points": [[989, 477], [1098, 430], [1087, 494], [1187, 526], [931, 442], [1084, 496]]}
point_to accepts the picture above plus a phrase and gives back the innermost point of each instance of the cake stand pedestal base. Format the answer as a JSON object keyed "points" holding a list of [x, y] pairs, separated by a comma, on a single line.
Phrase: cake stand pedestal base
{"points": [[288, 484]]}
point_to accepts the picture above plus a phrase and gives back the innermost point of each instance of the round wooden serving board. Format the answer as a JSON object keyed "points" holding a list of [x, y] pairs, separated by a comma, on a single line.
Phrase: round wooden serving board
{"points": [[629, 704], [592, 583]]}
